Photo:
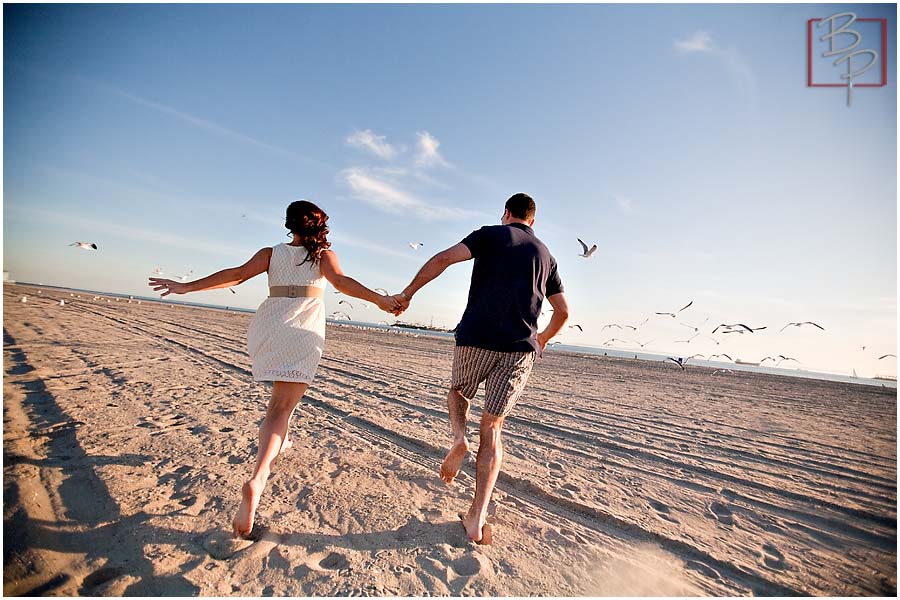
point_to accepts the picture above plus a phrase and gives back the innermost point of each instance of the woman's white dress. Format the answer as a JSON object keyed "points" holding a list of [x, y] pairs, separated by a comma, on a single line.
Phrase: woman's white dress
{"points": [[287, 335]]}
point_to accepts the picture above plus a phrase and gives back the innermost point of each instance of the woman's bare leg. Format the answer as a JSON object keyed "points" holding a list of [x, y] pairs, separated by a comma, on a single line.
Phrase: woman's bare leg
{"points": [[272, 433]]}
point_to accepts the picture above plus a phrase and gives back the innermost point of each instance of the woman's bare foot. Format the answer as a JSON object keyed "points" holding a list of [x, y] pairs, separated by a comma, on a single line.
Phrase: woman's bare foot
{"points": [[242, 524], [478, 530], [452, 463]]}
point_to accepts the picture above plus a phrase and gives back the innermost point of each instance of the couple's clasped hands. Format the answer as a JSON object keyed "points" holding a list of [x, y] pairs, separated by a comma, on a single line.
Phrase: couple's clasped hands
{"points": [[395, 304]]}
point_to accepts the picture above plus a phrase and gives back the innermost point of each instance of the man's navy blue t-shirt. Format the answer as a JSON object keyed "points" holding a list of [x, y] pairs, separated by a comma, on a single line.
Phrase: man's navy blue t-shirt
{"points": [[512, 274]]}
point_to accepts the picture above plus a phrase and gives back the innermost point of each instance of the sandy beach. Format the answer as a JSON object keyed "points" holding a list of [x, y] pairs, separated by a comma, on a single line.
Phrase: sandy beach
{"points": [[128, 429]]}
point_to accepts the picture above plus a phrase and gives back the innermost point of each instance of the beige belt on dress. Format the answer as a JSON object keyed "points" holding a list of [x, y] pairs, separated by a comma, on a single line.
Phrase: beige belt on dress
{"points": [[296, 291]]}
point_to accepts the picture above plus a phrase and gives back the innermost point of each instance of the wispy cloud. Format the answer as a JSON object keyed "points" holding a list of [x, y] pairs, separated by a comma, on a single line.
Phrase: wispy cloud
{"points": [[428, 154], [738, 69], [624, 204], [375, 144], [387, 196], [204, 124], [699, 42]]}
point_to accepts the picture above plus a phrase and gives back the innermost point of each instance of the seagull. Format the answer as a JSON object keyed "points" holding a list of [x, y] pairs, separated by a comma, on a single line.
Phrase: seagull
{"points": [[711, 356], [674, 313], [784, 358], [416, 245], [723, 371], [631, 327], [644, 344], [886, 355], [576, 326], [381, 291], [735, 326], [694, 327], [678, 361], [158, 271], [772, 358], [232, 290], [339, 315], [554, 343], [800, 324], [347, 303], [186, 276], [693, 356], [687, 341], [610, 340], [85, 245], [586, 253]]}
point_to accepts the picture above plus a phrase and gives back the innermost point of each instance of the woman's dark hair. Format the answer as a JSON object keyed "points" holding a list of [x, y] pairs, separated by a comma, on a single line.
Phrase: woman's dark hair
{"points": [[308, 221]]}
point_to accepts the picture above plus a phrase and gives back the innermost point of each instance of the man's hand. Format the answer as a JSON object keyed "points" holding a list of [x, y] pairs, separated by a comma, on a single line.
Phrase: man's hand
{"points": [[542, 340], [390, 304], [403, 300]]}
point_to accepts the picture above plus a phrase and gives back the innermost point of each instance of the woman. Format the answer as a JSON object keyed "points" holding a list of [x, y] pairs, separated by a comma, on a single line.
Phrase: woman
{"points": [[287, 333]]}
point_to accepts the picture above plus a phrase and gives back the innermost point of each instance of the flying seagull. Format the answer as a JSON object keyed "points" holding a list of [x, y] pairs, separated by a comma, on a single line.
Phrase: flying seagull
{"points": [[576, 326], [723, 371], [711, 356], [675, 313], [158, 271], [678, 361], [232, 290], [801, 324], [186, 276], [693, 356], [695, 327], [381, 291], [85, 245], [347, 303], [739, 328], [610, 340], [886, 355], [586, 253], [784, 358], [772, 358], [631, 327], [644, 344], [339, 315], [416, 245]]}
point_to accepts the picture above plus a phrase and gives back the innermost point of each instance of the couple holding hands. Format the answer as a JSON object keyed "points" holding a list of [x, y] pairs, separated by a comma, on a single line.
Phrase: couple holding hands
{"points": [[496, 339]]}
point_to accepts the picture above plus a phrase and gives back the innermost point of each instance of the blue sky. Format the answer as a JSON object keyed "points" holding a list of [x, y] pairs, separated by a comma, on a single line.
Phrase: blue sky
{"points": [[681, 139]]}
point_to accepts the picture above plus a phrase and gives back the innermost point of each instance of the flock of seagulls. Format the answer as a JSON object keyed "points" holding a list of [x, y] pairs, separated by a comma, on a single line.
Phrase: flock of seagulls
{"points": [[586, 253]]}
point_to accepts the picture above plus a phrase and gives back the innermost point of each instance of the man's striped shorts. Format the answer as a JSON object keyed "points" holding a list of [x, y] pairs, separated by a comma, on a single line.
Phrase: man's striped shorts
{"points": [[504, 373]]}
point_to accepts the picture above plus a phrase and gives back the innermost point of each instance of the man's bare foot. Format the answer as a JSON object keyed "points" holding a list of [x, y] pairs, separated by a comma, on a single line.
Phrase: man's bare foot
{"points": [[478, 531], [242, 524], [287, 445], [452, 463]]}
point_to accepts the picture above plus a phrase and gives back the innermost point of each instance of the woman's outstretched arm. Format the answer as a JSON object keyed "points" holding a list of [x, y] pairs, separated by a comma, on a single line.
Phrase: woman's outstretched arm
{"points": [[331, 269], [222, 279]]}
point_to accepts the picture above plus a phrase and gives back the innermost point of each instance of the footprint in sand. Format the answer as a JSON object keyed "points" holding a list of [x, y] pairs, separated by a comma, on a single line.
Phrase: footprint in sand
{"points": [[222, 546], [721, 513], [556, 469], [334, 562], [706, 570], [662, 511], [773, 558]]}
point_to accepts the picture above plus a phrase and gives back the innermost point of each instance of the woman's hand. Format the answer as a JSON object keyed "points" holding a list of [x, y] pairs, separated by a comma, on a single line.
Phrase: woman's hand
{"points": [[389, 304], [171, 287]]}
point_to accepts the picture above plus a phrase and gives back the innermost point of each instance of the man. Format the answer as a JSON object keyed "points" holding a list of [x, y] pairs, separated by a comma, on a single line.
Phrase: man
{"points": [[496, 339]]}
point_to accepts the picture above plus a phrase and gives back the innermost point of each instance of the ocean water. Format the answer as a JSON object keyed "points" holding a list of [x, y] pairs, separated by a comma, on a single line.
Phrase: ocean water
{"points": [[592, 350]]}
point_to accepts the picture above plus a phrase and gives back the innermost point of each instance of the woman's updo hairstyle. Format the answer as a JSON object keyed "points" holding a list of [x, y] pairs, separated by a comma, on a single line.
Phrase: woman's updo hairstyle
{"points": [[308, 221]]}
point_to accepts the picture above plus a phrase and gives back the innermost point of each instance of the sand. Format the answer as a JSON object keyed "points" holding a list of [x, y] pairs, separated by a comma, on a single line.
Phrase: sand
{"points": [[129, 428]]}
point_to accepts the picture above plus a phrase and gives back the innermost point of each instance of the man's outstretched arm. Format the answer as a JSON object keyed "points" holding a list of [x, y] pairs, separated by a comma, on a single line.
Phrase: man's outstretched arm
{"points": [[434, 267]]}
